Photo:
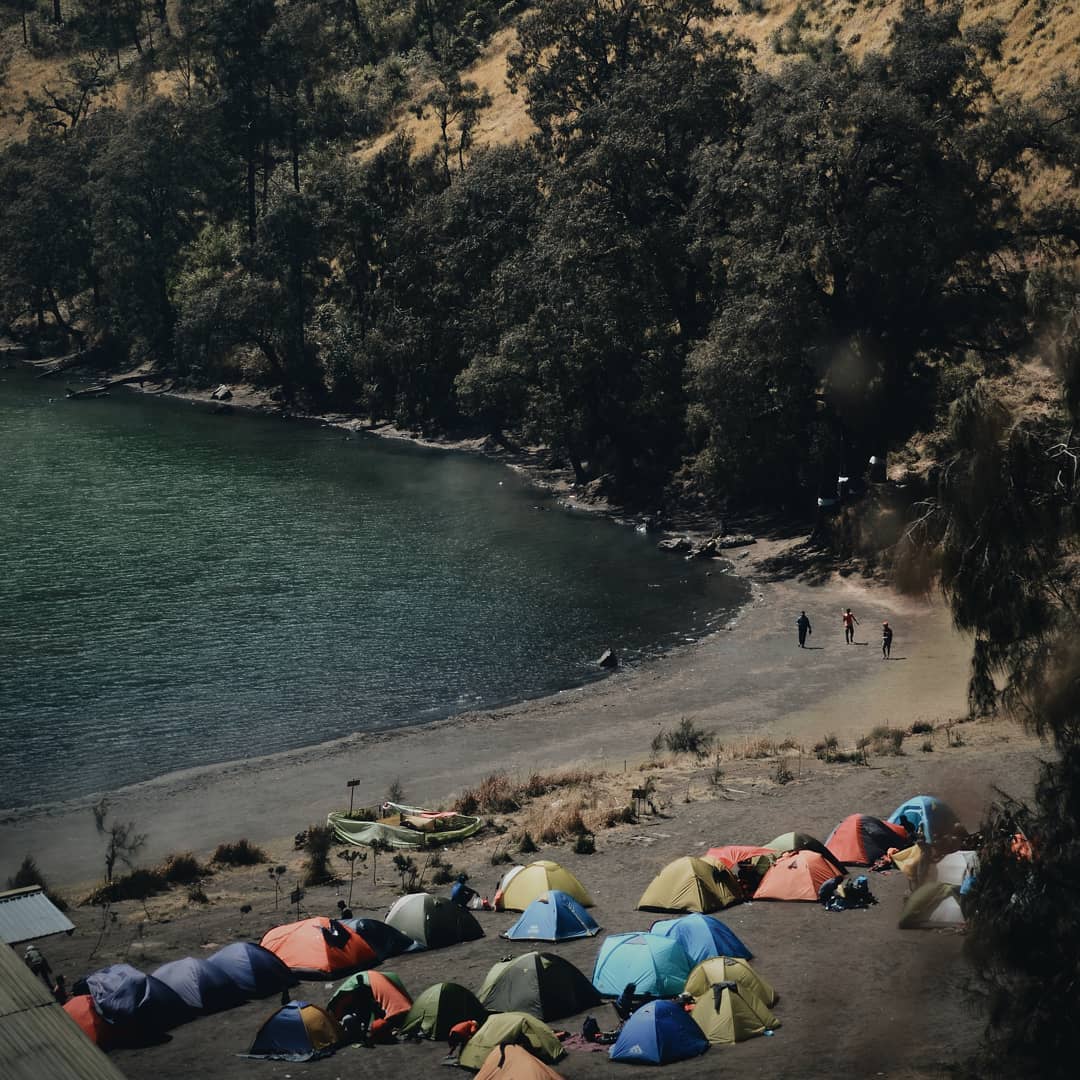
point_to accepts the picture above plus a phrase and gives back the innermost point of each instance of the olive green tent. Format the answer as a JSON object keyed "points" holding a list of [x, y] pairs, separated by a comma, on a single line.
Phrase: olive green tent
{"points": [[800, 841], [726, 1016], [932, 905], [720, 969], [541, 984], [439, 1008], [690, 884], [516, 1028], [433, 920]]}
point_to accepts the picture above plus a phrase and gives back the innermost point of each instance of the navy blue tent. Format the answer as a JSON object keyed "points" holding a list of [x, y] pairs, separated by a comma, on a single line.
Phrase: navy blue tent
{"points": [[555, 916], [255, 971], [124, 994], [702, 936], [385, 940], [658, 1033], [297, 1032], [202, 986]]}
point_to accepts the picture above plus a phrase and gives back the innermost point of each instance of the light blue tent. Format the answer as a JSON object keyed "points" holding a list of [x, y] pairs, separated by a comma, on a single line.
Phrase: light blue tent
{"points": [[924, 812], [654, 964], [658, 1033], [702, 937], [555, 916]]}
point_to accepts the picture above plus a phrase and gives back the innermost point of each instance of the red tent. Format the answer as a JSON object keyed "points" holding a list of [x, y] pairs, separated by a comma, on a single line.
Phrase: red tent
{"points": [[796, 877], [319, 948], [83, 1011], [861, 840], [733, 854]]}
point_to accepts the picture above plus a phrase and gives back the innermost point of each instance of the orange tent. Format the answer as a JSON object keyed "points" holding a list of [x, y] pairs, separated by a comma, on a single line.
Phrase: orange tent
{"points": [[512, 1062], [732, 854], [388, 992], [796, 877], [319, 948], [860, 840], [97, 1029]]}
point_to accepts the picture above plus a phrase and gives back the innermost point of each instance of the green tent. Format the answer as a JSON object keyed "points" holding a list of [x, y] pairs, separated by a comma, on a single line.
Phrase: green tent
{"points": [[726, 1016], [721, 969], [434, 921], [439, 1008], [690, 884], [800, 841], [932, 905], [512, 1028], [541, 984]]}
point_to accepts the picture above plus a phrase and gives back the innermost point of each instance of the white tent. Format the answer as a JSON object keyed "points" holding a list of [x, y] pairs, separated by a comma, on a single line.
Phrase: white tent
{"points": [[955, 868]]}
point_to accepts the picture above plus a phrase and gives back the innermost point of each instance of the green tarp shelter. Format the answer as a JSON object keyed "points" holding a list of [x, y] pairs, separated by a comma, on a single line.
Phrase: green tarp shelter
{"points": [[541, 984], [439, 1008]]}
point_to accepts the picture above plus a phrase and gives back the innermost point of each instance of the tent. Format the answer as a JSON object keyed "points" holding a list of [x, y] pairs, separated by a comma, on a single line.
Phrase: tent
{"points": [[319, 948], [923, 812], [388, 992], [122, 993], [433, 921], [541, 984], [932, 905], [297, 1032], [657, 1034], [690, 884], [861, 840], [515, 1063], [385, 941], [655, 964], [796, 877], [439, 1008], [521, 885], [725, 1016], [555, 916], [800, 841], [956, 868], [721, 969], [701, 936], [97, 1029], [730, 855], [255, 971], [912, 861], [518, 1028], [200, 985]]}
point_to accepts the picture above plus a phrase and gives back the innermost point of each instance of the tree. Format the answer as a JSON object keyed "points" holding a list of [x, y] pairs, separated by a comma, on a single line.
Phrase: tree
{"points": [[455, 103]]}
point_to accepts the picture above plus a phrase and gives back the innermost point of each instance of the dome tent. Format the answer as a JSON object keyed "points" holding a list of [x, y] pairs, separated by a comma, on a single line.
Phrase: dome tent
{"points": [[541, 984], [433, 921], [200, 985], [861, 840], [253, 970], [730, 855], [701, 936], [956, 868], [656, 1034], [511, 1062], [690, 884], [123, 994], [924, 813], [517, 1028], [297, 1032], [555, 916], [521, 885], [319, 948], [932, 905], [722, 969], [386, 990], [726, 1016], [439, 1008], [800, 841], [655, 964], [796, 877], [385, 941], [84, 1012]]}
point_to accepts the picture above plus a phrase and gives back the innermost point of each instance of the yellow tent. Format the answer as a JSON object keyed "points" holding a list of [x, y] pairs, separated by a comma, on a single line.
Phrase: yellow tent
{"points": [[515, 1063], [726, 1016], [912, 860], [689, 884], [511, 1027], [522, 886], [720, 969]]}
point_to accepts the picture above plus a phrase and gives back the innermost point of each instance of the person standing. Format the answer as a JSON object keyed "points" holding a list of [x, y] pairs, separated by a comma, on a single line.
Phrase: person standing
{"points": [[850, 622], [886, 640], [804, 627]]}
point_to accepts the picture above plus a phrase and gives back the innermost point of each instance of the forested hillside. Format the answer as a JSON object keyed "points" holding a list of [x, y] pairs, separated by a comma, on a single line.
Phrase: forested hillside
{"points": [[746, 264]]}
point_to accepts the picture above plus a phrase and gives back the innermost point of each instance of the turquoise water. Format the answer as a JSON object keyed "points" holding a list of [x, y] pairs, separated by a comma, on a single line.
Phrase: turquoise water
{"points": [[181, 588]]}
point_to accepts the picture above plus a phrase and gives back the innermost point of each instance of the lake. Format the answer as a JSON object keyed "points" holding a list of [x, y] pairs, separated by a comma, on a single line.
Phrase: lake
{"points": [[182, 588]]}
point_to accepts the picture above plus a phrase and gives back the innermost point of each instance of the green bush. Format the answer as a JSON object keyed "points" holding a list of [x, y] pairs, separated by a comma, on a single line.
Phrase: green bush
{"points": [[242, 853]]}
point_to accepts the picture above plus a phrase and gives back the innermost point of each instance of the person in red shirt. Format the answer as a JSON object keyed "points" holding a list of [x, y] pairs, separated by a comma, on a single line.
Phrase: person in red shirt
{"points": [[850, 622]]}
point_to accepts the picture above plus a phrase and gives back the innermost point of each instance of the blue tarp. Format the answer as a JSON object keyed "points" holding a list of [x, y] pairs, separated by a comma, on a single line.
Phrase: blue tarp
{"points": [[255, 971], [655, 965], [124, 994], [555, 916], [935, 818], [658, 1033], [202, 986], [702, 936]]}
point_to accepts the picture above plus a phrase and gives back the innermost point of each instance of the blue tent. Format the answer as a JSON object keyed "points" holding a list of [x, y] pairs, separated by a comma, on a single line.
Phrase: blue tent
{"points": [[255, 971], [123, 993], [297, 1032], [924, 812], [385, 940], [702, 936], [200, 985], [654, 964], [555, 916], [658, 1033]]}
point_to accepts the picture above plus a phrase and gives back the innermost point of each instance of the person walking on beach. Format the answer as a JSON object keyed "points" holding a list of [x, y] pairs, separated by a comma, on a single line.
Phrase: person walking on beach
{"points": [[850, 622], [804, 627], [886, 640]]}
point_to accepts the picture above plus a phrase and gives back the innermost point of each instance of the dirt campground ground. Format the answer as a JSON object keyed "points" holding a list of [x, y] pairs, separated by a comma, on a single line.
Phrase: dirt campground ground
{"points": [[857, 995]]}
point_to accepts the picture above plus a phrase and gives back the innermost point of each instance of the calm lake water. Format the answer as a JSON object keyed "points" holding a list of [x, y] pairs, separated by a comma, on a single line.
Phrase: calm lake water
{"points": [[180, 589]]}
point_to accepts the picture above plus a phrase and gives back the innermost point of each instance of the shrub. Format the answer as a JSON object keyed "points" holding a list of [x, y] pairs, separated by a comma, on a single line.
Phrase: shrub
{"points": [[585, 844], [196, 894], [500, 856], [317, 870], [886, 741], [242, 853], [760, 748], [687, 738], [182, 869], [783, 775], [927, 746], [29, 874], [138, 885], [921, 727], [527, 845]]}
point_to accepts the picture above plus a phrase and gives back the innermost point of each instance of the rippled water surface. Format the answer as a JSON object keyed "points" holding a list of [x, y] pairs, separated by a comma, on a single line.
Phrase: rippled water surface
{"points": [[180, 588]]}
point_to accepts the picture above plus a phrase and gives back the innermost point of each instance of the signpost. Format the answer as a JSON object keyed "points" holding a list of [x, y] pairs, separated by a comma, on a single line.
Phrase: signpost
{"points": [[352, 786]]}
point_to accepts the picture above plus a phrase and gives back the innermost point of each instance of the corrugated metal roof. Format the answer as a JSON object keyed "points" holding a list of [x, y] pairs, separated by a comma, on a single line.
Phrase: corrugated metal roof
{"points": [[27, 914], [38, 1040]]}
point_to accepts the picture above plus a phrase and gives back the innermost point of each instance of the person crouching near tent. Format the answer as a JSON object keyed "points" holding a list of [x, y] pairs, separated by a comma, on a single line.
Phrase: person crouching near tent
{"points": [[459, 1035]]}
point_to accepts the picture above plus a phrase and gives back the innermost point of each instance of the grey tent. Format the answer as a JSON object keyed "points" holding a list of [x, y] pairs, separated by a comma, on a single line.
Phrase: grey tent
{"points": [[439, 1008], [433, 921], [541, 984]]}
